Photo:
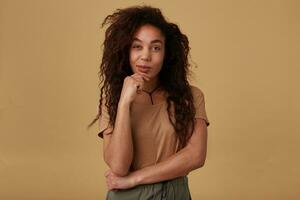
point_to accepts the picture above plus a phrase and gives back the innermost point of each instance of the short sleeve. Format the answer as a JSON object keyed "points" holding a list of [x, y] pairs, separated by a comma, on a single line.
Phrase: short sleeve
{"points": [[104, 120], [199, 102]]}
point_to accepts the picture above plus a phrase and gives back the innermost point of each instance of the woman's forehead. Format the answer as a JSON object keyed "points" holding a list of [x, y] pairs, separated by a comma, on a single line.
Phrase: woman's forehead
{"points": [[149, 34]]}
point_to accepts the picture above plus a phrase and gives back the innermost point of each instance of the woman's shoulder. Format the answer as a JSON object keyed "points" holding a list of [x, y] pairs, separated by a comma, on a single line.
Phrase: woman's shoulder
{"points": [[196, 91]]}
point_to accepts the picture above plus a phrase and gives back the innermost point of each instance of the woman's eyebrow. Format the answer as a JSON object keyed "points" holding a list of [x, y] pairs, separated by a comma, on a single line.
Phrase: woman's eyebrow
{"points": [[153, 41]]}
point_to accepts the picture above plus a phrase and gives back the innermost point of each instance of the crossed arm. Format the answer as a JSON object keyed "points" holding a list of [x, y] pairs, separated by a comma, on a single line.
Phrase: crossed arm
{"points": [[187, 159]]}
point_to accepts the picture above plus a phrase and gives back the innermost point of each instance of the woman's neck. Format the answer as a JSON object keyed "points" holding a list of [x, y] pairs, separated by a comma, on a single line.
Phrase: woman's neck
{"points": [[151, 85]]}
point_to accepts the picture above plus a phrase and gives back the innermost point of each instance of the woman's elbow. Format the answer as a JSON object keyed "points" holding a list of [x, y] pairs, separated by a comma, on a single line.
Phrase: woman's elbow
{"points": [[118, 169], [120, 172], [198, 162]]}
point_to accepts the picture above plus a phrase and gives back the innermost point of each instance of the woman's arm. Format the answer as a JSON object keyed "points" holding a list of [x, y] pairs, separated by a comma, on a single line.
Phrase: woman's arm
{"points": [[187, 159], [118, 146]]}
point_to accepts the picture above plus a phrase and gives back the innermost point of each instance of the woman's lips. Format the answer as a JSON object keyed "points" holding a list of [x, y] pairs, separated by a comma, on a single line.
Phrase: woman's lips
{"points": [[143, 69]]}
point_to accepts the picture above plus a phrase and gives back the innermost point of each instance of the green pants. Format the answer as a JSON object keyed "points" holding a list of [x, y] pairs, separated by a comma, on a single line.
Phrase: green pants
{"points": [[175, 189]]}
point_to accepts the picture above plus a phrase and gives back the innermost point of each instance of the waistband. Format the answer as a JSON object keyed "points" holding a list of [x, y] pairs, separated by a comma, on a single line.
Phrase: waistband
{"points": [[174, 189], [177, 181]]}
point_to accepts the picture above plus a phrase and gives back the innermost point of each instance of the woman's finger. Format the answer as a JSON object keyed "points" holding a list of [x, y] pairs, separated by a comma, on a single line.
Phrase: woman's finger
{"points": [[139, 84], [137, 76], [138, 81], [145, 76], [107, 173]]}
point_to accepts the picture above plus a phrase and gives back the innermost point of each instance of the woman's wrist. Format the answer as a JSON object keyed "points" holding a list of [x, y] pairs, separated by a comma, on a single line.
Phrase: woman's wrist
{"points": [[123, 103], [136, 178]]}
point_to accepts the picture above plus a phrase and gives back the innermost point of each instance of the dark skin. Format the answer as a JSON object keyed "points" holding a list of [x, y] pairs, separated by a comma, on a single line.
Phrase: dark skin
{"points": [[148, 50]]}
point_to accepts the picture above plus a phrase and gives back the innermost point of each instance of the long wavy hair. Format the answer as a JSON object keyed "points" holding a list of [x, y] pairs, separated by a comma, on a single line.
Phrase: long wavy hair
{"points": [[115, 66]]}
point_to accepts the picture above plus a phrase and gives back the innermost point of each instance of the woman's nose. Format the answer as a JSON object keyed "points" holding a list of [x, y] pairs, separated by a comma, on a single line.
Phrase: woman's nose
{"points": [[146, 56]]}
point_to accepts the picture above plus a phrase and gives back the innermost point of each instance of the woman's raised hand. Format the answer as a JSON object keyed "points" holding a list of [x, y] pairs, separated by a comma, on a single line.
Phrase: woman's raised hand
{"points": [[132, 85]]}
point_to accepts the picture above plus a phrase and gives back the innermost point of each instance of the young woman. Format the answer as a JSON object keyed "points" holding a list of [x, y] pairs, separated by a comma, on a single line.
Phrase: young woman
{"points": [[152, 121]]}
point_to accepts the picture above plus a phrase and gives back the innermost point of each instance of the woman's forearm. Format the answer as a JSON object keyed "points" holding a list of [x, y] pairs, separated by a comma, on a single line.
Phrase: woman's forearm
{"points": [[119, 153], [191, 157], [179, 164]]}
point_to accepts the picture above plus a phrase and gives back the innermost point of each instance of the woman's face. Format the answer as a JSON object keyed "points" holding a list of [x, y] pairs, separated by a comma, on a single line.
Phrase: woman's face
{"points": [[147, 51]]}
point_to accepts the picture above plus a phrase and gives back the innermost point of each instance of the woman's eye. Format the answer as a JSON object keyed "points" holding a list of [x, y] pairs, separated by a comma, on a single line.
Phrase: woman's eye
{"points": [[157, 48], [136, 46]]}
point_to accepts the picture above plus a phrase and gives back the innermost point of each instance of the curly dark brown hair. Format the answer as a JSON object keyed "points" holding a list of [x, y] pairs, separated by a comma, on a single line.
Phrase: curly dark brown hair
{"points": [[115, 66]]}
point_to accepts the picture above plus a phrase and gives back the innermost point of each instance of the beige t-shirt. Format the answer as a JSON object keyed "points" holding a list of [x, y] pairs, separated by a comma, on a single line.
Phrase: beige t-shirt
{"points": [[153, 135]]}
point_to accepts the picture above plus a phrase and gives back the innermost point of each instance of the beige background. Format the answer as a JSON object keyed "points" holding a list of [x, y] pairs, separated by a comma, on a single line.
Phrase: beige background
{"points": [[248, 69]]}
